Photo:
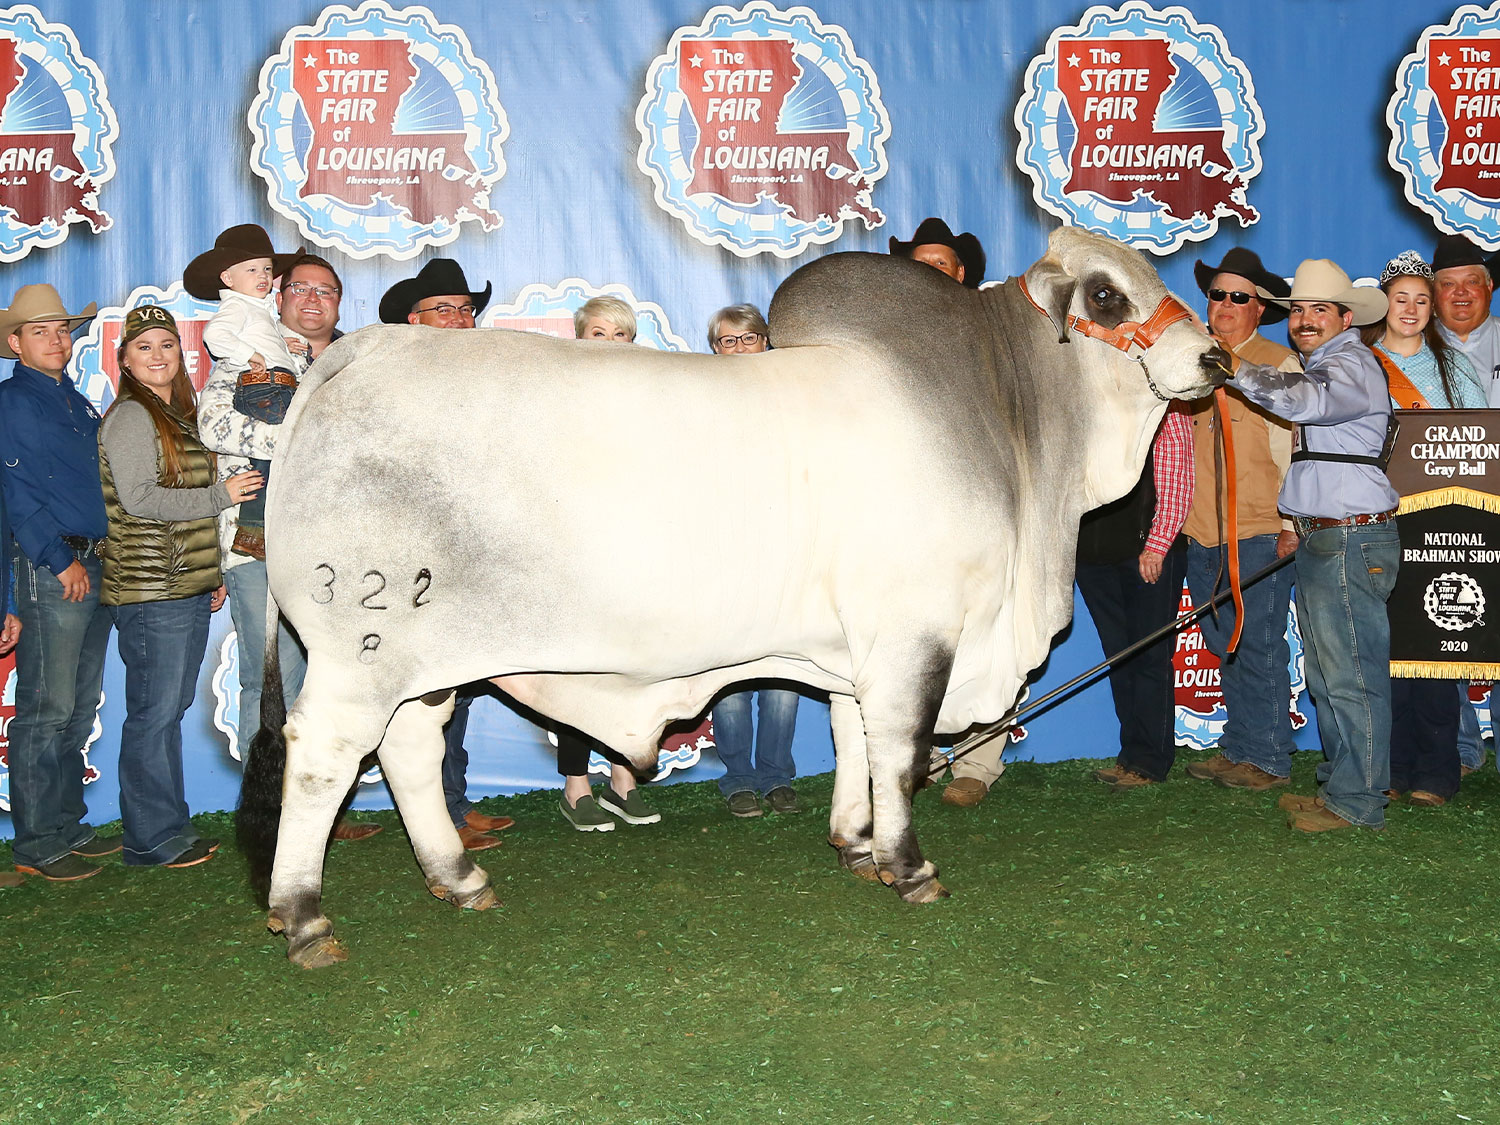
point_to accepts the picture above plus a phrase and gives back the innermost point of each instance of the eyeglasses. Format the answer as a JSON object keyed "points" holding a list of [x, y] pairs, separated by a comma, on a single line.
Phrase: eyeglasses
{"points": [[744, 340], [1234, 295], [465, 311], [321, 292]]}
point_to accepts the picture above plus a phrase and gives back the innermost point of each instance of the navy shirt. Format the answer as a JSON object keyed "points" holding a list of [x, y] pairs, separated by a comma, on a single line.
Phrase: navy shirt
{"points": [[8, 598], [49, 466]]}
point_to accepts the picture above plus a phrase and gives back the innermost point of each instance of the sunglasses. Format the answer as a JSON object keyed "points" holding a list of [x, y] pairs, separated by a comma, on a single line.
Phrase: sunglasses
{"points": [[1234, 295]]}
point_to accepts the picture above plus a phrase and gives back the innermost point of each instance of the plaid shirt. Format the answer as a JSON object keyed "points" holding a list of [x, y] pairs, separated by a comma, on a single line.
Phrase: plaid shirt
{"points": [[1172, 472]]}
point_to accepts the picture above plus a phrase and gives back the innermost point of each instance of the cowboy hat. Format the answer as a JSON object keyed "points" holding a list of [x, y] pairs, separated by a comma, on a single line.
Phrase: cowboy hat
{"points": [[1246, 264], [1318, 279], [1456, 250], [233, 246], [441, 277], [935, 232], [34, 304]]}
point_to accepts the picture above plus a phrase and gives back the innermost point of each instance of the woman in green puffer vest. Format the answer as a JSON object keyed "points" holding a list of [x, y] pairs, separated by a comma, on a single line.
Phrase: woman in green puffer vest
{"points": [[161, 577]]}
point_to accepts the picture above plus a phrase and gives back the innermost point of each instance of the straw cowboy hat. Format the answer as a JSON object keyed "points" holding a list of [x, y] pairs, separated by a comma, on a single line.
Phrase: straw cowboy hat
{"points": [[233, 246], [34, 304], [1318, 279]]}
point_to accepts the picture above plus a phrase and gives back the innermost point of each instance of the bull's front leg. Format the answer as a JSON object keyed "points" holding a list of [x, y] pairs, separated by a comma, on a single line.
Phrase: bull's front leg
{"points": [[411, 757], [899, 701], [851, 824]]}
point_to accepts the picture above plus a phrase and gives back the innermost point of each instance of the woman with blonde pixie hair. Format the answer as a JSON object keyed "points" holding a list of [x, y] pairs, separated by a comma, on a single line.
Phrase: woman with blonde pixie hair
{"points": [[612, 320], [605, 318]]}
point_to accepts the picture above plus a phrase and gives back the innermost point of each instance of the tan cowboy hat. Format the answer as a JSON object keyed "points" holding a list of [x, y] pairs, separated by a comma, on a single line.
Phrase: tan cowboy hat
{"points": [[33, 304], [1318, 279]]}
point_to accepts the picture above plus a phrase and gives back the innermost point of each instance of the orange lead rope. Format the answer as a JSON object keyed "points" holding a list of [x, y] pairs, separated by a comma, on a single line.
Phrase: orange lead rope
{"points": [[1232, 532]]}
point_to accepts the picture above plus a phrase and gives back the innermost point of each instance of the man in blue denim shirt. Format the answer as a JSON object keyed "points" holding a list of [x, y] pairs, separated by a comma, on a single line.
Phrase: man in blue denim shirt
{"points": [[1344, 509], [49, 470]]}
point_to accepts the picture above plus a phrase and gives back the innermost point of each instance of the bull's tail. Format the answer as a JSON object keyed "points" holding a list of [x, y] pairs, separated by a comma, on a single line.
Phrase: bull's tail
{"points": [[257, 821]]}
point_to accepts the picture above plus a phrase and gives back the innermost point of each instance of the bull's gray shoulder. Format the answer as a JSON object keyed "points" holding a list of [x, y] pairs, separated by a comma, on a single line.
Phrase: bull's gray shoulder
{"points": [[856, 298]]}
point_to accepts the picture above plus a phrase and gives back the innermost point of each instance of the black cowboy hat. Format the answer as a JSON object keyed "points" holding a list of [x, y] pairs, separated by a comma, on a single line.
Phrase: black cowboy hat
{"points": [[441, 277], [233, 246], [1247, 264], [935, 232], [1456, 250]]}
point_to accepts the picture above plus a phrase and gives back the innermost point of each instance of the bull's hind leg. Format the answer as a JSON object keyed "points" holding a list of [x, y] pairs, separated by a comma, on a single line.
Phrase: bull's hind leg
{"points": [[899, 702], [411, 758], [851, 823], [326, 737]]}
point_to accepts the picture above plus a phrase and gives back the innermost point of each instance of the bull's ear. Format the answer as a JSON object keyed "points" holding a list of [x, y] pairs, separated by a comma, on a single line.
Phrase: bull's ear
{"points": [[1052, 287]]}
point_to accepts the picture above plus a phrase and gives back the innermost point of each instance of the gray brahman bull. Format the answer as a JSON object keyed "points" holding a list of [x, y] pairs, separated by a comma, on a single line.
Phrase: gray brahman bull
{"points": [[888, 511]]}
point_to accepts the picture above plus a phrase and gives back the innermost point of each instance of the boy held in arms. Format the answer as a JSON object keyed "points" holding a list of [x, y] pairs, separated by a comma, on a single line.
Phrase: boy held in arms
{"points": [[247, 335]]}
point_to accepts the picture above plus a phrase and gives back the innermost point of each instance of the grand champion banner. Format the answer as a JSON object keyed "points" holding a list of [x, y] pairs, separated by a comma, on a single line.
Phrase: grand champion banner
{"points": [[1446, 465], [1140, 124]]}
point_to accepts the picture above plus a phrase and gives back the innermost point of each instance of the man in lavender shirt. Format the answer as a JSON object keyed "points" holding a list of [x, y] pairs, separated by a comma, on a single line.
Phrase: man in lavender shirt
{"points": [[1344, 511]]}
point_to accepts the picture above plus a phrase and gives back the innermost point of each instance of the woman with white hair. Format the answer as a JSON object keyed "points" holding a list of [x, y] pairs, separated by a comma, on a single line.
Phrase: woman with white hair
{"points": [[757, 758]]}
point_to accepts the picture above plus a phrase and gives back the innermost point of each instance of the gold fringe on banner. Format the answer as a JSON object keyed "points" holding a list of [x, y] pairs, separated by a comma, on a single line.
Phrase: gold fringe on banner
{"points": [[1455, 494], [1444, 670]]}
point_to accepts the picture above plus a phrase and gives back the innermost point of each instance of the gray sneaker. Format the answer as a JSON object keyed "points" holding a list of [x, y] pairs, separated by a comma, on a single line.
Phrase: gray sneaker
{"points": [[744, 803], [783, 799], [586, 815], [632, 809]]}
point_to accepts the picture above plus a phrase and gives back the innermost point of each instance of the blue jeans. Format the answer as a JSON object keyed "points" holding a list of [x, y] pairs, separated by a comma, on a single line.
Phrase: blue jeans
{"points": [[59, 676], [1256, 682], [1344, 577], [456, 757], [772, 737], [162, 645], [247, 606]]}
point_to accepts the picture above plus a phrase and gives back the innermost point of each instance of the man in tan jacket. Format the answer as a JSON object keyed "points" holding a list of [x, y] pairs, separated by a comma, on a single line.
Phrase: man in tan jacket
{"points": [[1256, 745]]}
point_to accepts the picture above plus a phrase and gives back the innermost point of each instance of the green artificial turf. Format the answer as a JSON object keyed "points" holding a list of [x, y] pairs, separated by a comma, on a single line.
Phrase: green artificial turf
{"points": [[1172, 954]]}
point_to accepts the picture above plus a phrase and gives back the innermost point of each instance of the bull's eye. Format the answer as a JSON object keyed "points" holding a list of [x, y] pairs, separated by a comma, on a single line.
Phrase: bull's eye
{"points": [[1103, 296]]}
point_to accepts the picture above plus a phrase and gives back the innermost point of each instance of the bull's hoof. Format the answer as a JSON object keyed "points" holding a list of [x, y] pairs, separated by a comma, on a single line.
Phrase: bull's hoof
{"points": [[275, 924], [482, 899], [920, 885], [319, 953], [860, 862]]}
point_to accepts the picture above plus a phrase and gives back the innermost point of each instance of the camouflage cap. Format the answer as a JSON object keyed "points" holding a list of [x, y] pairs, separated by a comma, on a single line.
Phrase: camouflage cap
{"points": [[143, 318]]}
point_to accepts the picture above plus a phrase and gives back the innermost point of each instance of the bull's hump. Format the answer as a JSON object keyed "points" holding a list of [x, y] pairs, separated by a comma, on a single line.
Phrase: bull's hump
{"points": [[858, 298]]}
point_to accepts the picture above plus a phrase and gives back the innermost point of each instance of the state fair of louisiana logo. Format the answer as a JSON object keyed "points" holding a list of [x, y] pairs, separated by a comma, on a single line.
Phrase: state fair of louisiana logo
{"points": [[763, 131], [378, 131], [1141, 125], [1444, 119], [94, 366], [57, 130], [549, 309]]}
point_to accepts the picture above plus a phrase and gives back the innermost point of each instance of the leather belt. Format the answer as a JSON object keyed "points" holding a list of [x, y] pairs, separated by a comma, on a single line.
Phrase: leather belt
{"points": [[278, 375], [81, 543], [1308, 524]]}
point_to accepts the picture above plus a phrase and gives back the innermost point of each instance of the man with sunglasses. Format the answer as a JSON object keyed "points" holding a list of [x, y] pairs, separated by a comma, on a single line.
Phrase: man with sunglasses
{"points": [[439, 297], [1255, 747]]}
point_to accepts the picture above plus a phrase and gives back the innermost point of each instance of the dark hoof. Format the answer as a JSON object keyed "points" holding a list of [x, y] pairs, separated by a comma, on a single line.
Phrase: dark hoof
{"points": [[319, 953], [920, 886]]}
